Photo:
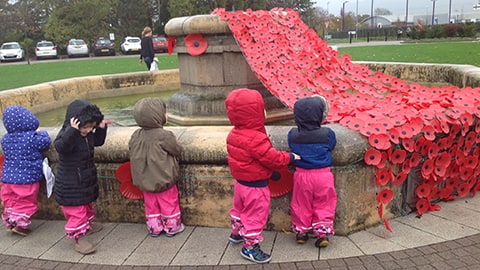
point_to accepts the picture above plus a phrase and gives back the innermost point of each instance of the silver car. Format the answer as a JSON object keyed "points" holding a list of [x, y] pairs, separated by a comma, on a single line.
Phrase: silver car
{"points": [[46, 49], [77, 47], [11, 51]]}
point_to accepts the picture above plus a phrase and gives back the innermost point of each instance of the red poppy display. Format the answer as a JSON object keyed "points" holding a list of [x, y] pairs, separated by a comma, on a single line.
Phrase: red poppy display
{"points": [[385, 196], [436, 128]]}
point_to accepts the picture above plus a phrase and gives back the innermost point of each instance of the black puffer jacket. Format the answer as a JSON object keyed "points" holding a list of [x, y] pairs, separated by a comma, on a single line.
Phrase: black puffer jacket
{"points": [[76, 180]]}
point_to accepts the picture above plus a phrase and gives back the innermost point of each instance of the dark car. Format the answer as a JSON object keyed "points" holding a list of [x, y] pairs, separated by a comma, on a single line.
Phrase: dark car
{"points": [[160, 44], [103, 46]]}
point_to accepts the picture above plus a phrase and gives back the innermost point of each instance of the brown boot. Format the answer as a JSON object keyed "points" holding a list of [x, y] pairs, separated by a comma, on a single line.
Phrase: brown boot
{"points": [[21, 231], [94, 227], [83, 246]]}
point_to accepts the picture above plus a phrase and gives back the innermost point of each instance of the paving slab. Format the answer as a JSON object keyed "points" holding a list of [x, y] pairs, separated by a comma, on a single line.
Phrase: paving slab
{"points": [[405, 236], [461, 215], [287, 250], [43, 236], [159, 250], [117, 245], [369, 243], [340, 247], [205, 246], [232, 253]]}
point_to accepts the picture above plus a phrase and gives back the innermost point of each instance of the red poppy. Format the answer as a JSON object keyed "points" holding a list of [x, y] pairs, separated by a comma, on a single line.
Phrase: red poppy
{"points": [[408, 144], [416, 125], [433, 151], [465, 173], [427, 168], [440, 170], [470, 140], [385, 196], [372, 157], [406, 166], [352, 122], [196, 44], [423, 191], [400, 178], [283, 185], [443, 159], [387, 225], [471, 162], [379, 141], [422, 206], [463, 189], [171, 44], [414, 159], [394, 135], [429, 133], [383, 161], [380, 210], [398, 156], [383, 176]]}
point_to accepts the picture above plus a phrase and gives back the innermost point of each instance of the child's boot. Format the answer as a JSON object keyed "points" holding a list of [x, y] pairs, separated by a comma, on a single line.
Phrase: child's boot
{"points": [[95, 227], [21, 231], [83, 246], [255, 254], [322, 242]]}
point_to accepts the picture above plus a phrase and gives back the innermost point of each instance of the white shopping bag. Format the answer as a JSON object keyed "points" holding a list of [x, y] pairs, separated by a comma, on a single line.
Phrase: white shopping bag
{"points": [[49, 177], [154, 65]]}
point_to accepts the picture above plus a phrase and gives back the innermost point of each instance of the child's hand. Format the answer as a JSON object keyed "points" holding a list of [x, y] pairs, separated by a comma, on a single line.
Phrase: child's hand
{"points": [[296, 157], [105, 122], [74, 122]]}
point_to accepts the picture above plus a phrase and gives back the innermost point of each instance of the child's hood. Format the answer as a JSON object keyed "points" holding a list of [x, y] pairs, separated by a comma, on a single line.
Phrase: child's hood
{"points": [[84, 111], [308, 112], [245, 109], [150, 113], [19, 119]]}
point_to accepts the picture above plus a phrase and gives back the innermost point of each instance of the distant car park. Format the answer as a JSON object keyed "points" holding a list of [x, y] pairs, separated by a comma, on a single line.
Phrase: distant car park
{"points": [[77, 47], [160, 44], [46, 49], [131, 45], [11, 51], [103, 46]]}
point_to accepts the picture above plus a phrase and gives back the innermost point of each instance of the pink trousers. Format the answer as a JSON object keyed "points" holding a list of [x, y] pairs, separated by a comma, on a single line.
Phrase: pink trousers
{"points": [[249, 213], [314, 201], [20, 202], [78, 219], [162, 210]]}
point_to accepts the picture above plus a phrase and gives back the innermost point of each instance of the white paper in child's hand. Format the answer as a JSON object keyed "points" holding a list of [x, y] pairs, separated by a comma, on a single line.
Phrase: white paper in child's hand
{"points": [[49, 177]]}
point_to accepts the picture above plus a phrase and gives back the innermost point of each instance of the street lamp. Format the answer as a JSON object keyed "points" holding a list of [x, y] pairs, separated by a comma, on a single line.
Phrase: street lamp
{"points": [[433, 11], [343, 15], [406, 14]]}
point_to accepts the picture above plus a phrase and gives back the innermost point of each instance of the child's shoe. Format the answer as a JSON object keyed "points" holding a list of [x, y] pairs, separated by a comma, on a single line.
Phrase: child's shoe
{"points": [[173, 231], [235, 238], [255, 254], [301, 238], [21, 231], [10, 228], [322, 242], [155, 233], [94, 227], [83, 246]]}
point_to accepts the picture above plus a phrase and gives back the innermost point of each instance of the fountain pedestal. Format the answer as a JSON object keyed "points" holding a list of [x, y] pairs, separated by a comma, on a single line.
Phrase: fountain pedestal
{"points": [[206, 79]]}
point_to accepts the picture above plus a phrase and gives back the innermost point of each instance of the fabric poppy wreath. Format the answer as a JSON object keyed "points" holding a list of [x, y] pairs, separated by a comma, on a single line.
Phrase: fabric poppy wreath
{"points": [[124, 176], [196, 44]]}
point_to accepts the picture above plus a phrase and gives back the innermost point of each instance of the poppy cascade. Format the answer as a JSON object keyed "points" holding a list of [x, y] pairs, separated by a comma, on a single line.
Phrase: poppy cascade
{"points": [[433, 130]]}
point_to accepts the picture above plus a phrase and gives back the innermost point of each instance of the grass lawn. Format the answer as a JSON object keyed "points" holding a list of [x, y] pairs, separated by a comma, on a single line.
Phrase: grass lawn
{"points": [[18, 75], [467, 53]]}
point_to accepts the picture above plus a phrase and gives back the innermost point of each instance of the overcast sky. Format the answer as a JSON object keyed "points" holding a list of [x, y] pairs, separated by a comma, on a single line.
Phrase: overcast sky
{"points": [[398, 7]]}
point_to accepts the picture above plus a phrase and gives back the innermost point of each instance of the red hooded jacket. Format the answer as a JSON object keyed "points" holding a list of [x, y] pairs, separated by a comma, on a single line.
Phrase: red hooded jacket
{"points": [[251, 156]]}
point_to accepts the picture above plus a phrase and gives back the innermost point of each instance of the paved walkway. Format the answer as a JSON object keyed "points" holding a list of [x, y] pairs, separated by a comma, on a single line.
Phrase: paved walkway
{"points": [[447, 239]]}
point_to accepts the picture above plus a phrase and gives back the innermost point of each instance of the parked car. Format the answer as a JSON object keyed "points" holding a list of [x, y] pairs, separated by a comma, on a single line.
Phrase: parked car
{"points": [[160, 44], [131, 45], [46, 49], [103, 46], [77, 47], [11, 51]]}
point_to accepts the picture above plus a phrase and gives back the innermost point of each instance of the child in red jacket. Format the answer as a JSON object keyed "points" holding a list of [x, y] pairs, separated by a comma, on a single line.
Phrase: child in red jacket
{"points": [[252, 159]]}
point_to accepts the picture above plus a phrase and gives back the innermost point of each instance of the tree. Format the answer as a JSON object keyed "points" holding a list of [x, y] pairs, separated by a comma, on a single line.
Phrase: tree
{"points": [[382, 11]]}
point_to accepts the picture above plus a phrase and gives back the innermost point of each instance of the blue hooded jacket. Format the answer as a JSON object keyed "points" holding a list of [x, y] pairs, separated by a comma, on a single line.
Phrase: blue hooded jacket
{"points": [[309, 139], [23, 147]]}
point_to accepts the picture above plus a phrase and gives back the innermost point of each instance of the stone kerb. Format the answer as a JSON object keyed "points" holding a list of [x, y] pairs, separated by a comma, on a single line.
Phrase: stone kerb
{"points": [[57, 94]]}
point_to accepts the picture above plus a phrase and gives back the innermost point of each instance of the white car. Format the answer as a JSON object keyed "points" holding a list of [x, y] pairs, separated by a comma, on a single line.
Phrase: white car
{"points": [[131, 45], [46, 49], [77, 47], [11, 51]]}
